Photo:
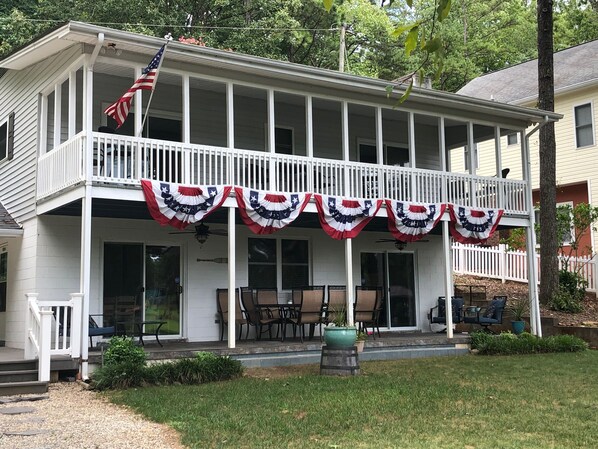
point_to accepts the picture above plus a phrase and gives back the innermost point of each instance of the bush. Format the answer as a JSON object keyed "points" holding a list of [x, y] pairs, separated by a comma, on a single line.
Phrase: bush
{"points": [[205, 367], [122, 350], [571, 292], [526, 343]]}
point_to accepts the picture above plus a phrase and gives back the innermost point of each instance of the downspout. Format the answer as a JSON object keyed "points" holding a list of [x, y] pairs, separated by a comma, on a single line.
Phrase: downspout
{"points": [[536, 323], [85, 274]]}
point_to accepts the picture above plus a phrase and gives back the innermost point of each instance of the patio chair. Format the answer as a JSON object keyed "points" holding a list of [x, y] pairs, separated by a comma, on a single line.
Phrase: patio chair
{"points": [[95, 330], [439, 317], [266, 304], [310, 311], [337, 303], [251, 313], [487, 316], [368, 301], [222, 303]]}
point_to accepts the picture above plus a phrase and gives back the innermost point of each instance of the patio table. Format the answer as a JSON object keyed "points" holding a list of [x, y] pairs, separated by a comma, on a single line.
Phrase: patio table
{"points": [[285, 311], [139, 330]]}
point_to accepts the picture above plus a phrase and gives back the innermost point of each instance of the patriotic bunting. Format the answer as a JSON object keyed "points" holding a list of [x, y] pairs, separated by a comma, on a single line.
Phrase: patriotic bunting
{"points": [[473, 225], [265, 212], [343, 218], [409, 222], [179, 205]]}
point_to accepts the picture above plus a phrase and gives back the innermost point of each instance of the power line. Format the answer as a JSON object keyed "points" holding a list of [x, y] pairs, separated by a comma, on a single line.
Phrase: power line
{"points": [[199, 27]]}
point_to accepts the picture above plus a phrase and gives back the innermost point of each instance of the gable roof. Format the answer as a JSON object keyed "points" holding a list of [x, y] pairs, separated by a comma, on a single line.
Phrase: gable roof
{"points": [[574, 68], [8, 226], [300, 76]]}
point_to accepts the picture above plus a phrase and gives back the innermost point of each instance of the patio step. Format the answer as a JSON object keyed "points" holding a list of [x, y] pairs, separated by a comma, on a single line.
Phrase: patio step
{"points": [[30, 387], [266, 360], [20, 377]]}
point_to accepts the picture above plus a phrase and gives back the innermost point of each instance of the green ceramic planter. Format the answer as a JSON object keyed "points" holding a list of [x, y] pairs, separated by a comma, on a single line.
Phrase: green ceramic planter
{"points": [[340, 337], [518, 327]]}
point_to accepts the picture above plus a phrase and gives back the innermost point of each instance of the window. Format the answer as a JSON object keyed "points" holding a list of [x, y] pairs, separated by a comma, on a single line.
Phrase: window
{"points": [[584, 129], [512, 139], [3, 141], [475, 156], [7, 130], [283, 140], [3, 279], [270, 260], [564, 213], [393, 154]]}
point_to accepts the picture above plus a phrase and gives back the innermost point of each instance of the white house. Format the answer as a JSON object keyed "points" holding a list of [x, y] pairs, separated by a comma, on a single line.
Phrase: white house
{"points": [[219, 118]]}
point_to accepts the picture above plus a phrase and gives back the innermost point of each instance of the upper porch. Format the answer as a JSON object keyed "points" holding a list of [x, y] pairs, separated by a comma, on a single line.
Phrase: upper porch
{"points": [[110, 160]]}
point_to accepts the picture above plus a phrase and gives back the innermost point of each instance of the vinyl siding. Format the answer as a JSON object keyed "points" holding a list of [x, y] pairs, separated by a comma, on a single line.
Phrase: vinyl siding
{"points": [[19, 93]]}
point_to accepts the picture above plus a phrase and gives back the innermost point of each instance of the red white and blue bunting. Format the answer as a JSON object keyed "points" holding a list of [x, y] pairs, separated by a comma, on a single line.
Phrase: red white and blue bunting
{"points": [[473, 225], [343, 218], [179, 205], [409, 222], [266, 212]]}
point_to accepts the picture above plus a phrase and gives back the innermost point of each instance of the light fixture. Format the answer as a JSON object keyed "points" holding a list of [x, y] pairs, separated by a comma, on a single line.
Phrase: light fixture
{"points": [[400, 245], [201, 238]]}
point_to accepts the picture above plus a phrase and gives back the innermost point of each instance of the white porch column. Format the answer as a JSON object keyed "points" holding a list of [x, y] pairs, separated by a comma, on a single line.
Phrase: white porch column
{"points": [[498, 156], [232, 297], [309, 126], [448, 278], [532, 262], [272, 141], [72, 103], [57, 114], [349, 276], [412, 161]]}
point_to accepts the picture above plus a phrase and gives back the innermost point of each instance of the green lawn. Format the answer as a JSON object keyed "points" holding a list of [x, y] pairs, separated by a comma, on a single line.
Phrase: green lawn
{"points": [[537, 401]]}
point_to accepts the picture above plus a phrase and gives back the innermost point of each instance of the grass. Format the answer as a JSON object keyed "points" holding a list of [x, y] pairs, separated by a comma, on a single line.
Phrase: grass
{"points": [[537, 401]]}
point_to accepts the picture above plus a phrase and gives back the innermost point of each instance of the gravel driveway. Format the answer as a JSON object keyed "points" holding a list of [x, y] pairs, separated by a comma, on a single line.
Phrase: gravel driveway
{"points": [[75, 418]]}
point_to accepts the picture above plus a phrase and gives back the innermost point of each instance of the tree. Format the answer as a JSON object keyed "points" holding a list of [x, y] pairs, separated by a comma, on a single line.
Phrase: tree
{"points": [[548, 250]]}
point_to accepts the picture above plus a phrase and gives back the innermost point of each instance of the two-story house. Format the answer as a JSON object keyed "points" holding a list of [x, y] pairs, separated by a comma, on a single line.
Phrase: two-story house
{"points": [[230, 124], [575, 85]]}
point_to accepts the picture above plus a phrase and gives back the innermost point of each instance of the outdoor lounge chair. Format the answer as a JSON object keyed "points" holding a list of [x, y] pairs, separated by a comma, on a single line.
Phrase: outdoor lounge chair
{"points": [[487, 316], [240, 320], [439, 317]]}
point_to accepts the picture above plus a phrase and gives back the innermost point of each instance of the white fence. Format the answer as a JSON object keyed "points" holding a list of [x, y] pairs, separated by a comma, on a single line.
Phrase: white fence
{"points": [[498, 263]]}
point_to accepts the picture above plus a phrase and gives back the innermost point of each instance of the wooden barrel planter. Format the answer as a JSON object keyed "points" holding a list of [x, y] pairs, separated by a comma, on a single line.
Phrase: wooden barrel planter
{"points": [[339, 361]]}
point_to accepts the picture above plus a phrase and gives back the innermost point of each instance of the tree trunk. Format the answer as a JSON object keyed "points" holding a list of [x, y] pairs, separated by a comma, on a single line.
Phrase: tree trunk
{"points": [[548, 229]]}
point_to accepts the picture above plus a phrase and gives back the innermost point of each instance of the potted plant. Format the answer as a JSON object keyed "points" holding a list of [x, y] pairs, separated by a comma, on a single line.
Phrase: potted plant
{"points": [[360, 343], [338, 334], [518, 308]]}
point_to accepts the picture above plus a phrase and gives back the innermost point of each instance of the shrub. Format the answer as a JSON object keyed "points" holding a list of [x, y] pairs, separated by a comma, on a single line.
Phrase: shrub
{"points": [[205, 367], [122, 350], [119, 376], [571, 292], [526, 343]]}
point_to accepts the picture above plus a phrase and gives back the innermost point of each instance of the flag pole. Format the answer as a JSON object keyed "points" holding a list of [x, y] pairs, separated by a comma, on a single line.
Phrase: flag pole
{"points": [[168, 38]]}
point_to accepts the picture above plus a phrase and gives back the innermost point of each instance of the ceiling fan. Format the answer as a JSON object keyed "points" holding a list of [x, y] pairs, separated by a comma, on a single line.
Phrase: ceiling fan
{"points": [[399, 244], [202, 232]]}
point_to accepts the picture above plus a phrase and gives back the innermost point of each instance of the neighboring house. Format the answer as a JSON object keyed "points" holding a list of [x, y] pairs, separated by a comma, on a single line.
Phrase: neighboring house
{"points": [[576, 93], [223, 118]]}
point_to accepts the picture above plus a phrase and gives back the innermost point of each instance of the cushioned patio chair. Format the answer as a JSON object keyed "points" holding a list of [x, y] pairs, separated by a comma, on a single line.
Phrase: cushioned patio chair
{"points": [[438, 313], [240, 319], [96, 330], [487, 316]]}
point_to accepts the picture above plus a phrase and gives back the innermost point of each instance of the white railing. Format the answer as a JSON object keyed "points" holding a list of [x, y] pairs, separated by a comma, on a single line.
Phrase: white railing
{"points": [[499, 263], [62, 167], [52, 328], [124, 160]]}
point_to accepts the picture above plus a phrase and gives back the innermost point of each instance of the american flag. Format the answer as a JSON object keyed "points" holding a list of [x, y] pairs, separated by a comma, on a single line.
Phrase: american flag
{"points": [[120, 109]]}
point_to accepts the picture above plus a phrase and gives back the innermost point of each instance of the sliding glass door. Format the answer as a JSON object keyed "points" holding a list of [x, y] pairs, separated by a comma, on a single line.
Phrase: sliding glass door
{"points": [[142, 282], [395, 273]]}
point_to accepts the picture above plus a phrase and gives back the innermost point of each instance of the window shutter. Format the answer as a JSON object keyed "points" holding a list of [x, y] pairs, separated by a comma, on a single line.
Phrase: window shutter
{"points": [[10, 144]]}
